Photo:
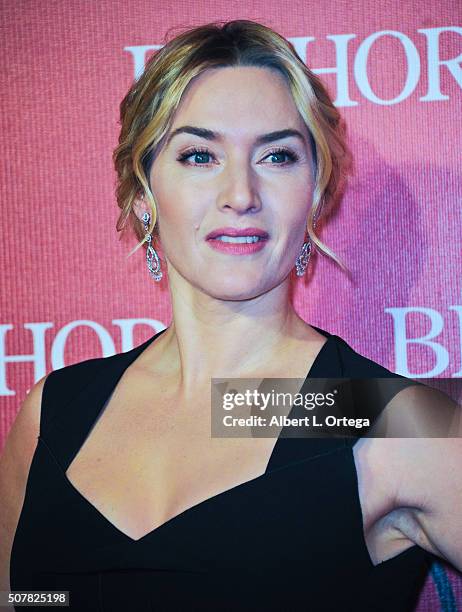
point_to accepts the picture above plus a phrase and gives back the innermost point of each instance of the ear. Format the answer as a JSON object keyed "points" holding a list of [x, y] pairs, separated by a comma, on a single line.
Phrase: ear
{"points": [[140, 206]]}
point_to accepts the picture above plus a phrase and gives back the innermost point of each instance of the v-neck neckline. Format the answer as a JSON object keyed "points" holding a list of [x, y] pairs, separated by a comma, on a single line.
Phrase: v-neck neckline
{"points": [[128, 359], [274, 456]]}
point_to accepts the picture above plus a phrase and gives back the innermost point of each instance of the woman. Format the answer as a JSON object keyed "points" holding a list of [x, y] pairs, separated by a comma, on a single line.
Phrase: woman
{"points": [[226, 135]]}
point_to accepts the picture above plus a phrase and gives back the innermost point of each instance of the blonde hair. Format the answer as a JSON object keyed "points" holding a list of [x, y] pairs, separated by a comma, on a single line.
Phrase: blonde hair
{"points": [[146, 113]]}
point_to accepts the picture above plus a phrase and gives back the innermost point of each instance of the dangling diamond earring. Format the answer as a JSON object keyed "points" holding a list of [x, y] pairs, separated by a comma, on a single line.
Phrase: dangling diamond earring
{"points": [[302, 260], [151, 255]]}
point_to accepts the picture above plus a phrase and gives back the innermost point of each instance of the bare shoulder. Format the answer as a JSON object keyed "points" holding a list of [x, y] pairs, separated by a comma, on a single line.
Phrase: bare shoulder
{"points": [[419, 411], [21, 442], [15, 461], [22, 437]]}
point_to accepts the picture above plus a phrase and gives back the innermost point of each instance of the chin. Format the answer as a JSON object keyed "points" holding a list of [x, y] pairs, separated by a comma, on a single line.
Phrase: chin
{"points": [[235, 289]]}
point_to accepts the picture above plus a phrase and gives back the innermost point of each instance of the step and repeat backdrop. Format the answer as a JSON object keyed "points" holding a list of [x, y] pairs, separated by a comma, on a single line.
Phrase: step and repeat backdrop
{"points": [[69, 292]]}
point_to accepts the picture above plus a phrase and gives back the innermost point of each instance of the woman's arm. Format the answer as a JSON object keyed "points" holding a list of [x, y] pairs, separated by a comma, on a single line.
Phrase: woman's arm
{"points": [[15, 462], [430, 472]]}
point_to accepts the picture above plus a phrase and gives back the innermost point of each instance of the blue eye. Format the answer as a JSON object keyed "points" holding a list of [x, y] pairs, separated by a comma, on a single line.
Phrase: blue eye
{"points": [[197, 153], [290, 154], [202, 153]]}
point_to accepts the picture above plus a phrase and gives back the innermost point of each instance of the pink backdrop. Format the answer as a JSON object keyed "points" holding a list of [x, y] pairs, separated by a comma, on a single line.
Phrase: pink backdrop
{"points": [[68, 291]]}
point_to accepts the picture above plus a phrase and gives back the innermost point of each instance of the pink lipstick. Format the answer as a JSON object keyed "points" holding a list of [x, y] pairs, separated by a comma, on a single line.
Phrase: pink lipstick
{"points": [[235, 241]]}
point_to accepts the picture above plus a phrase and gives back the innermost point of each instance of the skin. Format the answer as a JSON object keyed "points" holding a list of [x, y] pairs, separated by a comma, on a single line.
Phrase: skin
{"points": [[237, 303], [241, 305], [217, 297]]}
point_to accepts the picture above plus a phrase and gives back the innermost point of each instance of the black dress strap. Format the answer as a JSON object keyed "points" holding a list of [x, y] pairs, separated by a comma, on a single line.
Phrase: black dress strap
{"points": [[291, 446], [75, 396], [369, 386]]}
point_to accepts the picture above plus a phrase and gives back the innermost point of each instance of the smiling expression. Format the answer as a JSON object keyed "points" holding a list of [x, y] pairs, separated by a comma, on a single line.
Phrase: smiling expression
{"points": [[237, 156]]}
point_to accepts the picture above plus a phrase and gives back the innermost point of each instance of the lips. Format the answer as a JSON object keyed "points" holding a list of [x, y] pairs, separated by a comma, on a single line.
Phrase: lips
{"points": [[234, 232]]}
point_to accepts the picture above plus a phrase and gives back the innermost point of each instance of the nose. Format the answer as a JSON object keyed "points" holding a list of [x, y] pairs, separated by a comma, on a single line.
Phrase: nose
{"points": [[238, 188]]}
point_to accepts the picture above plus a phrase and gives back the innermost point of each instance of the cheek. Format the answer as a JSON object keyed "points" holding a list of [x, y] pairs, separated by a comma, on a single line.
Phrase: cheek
{"points": [[180, 212], [292, 212], [294, 194]]}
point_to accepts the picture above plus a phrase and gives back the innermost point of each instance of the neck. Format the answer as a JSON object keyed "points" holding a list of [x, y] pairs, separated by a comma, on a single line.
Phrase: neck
{"points": [[213, 338]]}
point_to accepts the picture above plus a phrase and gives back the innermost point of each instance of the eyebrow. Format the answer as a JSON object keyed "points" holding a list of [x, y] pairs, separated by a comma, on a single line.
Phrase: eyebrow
{"points": [[218, 136]]}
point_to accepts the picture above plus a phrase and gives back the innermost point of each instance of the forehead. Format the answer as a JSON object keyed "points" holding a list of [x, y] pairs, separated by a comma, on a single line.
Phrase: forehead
{"points": [[241, 100]]}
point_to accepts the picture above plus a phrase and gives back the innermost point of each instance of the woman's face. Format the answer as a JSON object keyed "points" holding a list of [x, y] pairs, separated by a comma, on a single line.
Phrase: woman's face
{"points": [[219, 167]]}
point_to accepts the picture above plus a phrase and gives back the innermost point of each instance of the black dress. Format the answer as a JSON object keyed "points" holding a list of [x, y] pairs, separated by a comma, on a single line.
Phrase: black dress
{"points": [[291, 539]]}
